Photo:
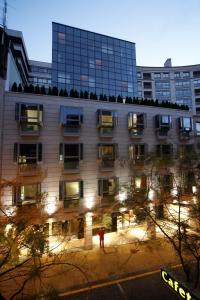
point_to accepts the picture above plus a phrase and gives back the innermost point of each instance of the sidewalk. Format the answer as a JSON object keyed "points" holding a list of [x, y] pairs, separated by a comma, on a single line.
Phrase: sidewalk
{"points": [[99, 265]]}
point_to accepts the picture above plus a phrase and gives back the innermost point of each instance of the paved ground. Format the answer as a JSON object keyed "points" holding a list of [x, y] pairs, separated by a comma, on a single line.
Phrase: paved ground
{"points": [[147, 288]]}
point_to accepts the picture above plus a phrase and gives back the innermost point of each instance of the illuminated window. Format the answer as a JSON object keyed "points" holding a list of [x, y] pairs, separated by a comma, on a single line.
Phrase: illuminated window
{"points": [[106, 118], [29, 116], [30, 193], [136, 123], [137, 152], [107, 151], [70, 192]]}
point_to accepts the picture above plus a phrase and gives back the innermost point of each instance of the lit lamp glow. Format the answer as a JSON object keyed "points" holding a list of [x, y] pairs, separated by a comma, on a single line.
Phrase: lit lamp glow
{"points": [[174, 191], [89, 202], [194, 189], [122, 196], [151, 194], [50, 208]]}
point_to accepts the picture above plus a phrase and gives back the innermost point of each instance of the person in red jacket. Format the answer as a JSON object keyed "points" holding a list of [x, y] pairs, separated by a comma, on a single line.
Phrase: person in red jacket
{"points": [[101, 237]]}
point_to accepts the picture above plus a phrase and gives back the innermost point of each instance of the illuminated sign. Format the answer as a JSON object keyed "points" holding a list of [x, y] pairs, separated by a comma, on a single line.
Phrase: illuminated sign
{"points": [[178, 288]]}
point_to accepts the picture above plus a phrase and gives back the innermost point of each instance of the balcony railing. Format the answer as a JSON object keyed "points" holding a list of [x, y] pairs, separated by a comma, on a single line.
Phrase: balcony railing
{"points": [[107, 165], [29, 170]]}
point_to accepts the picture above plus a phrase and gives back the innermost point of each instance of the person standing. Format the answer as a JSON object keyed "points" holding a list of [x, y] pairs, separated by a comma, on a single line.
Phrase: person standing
{"points": [[101, 237]]}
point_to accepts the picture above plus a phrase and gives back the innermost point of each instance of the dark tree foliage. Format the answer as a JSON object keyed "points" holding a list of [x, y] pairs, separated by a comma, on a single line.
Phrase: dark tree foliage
{"points": [[119, 99], [31, 88]]}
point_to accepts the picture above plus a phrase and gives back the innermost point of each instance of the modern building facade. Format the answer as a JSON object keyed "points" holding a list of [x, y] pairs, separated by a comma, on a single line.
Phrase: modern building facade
{"points": [[85, 60]]}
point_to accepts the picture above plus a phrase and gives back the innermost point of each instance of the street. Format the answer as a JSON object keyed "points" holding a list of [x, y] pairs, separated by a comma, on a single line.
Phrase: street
{"points": [[145, 288]]}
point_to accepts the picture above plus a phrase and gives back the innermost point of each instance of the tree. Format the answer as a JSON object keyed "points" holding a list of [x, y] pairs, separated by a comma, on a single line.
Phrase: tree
{"points": [[14, 87], [19, 89], [26, 256], [43, 90], [177, 219]]}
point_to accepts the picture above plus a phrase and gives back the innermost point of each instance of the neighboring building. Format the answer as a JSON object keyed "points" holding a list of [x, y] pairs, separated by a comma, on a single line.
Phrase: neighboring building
{"points": [[180, 85], [40, 73], [100, 64]]}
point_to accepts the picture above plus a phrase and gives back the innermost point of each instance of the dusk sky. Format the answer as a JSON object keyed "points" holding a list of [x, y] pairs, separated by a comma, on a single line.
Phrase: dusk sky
{"points": [[160, 28]]}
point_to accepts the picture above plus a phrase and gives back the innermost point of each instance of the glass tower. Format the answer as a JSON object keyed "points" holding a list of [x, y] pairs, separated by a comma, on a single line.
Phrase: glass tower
{"points": [[88, 61]]}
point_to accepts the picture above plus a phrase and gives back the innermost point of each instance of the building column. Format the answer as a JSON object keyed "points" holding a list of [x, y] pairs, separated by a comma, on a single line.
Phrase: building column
{"points": [[88, 231]]}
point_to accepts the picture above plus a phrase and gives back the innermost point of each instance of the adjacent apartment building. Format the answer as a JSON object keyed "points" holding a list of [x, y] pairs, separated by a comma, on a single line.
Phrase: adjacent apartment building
{"points": [[73, 154]]}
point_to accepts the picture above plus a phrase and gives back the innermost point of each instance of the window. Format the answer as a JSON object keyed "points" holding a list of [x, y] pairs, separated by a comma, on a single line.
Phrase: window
{"points": [[198, 128], [106, 121], [29, 116], [136, 123], [164, 150], [196, 82], [71, 119], [61, 38], [197, 92], [147, 76], [137, 152], [71, 154], [182, 83], [107, 154], [108, 187], [185, 126], [162, 124], [186, 74], [177, 74], [30, 193], [163, 94], [162, 85], [27, 153], [139, 183], [70, 192], [147, 94], [139, 75], [196, 74], [165, 75], [157, 75], [147, 85]]}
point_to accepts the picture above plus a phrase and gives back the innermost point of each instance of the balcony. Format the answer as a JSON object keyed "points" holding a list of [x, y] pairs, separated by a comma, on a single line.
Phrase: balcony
{"points": [[71, 167], [30, 170], [106, 132]]}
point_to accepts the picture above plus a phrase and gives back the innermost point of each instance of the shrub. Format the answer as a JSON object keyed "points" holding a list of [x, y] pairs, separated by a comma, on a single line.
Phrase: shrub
{"points": [[14, 87], [26, 89], [101, 97], [81, 95], [55, 91], [37, 89], [19, 89], [105, 98], [61, 93], [119, 99], [31, 88], [50, 91], [65, 93], [86, 95], [43, 90]]}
